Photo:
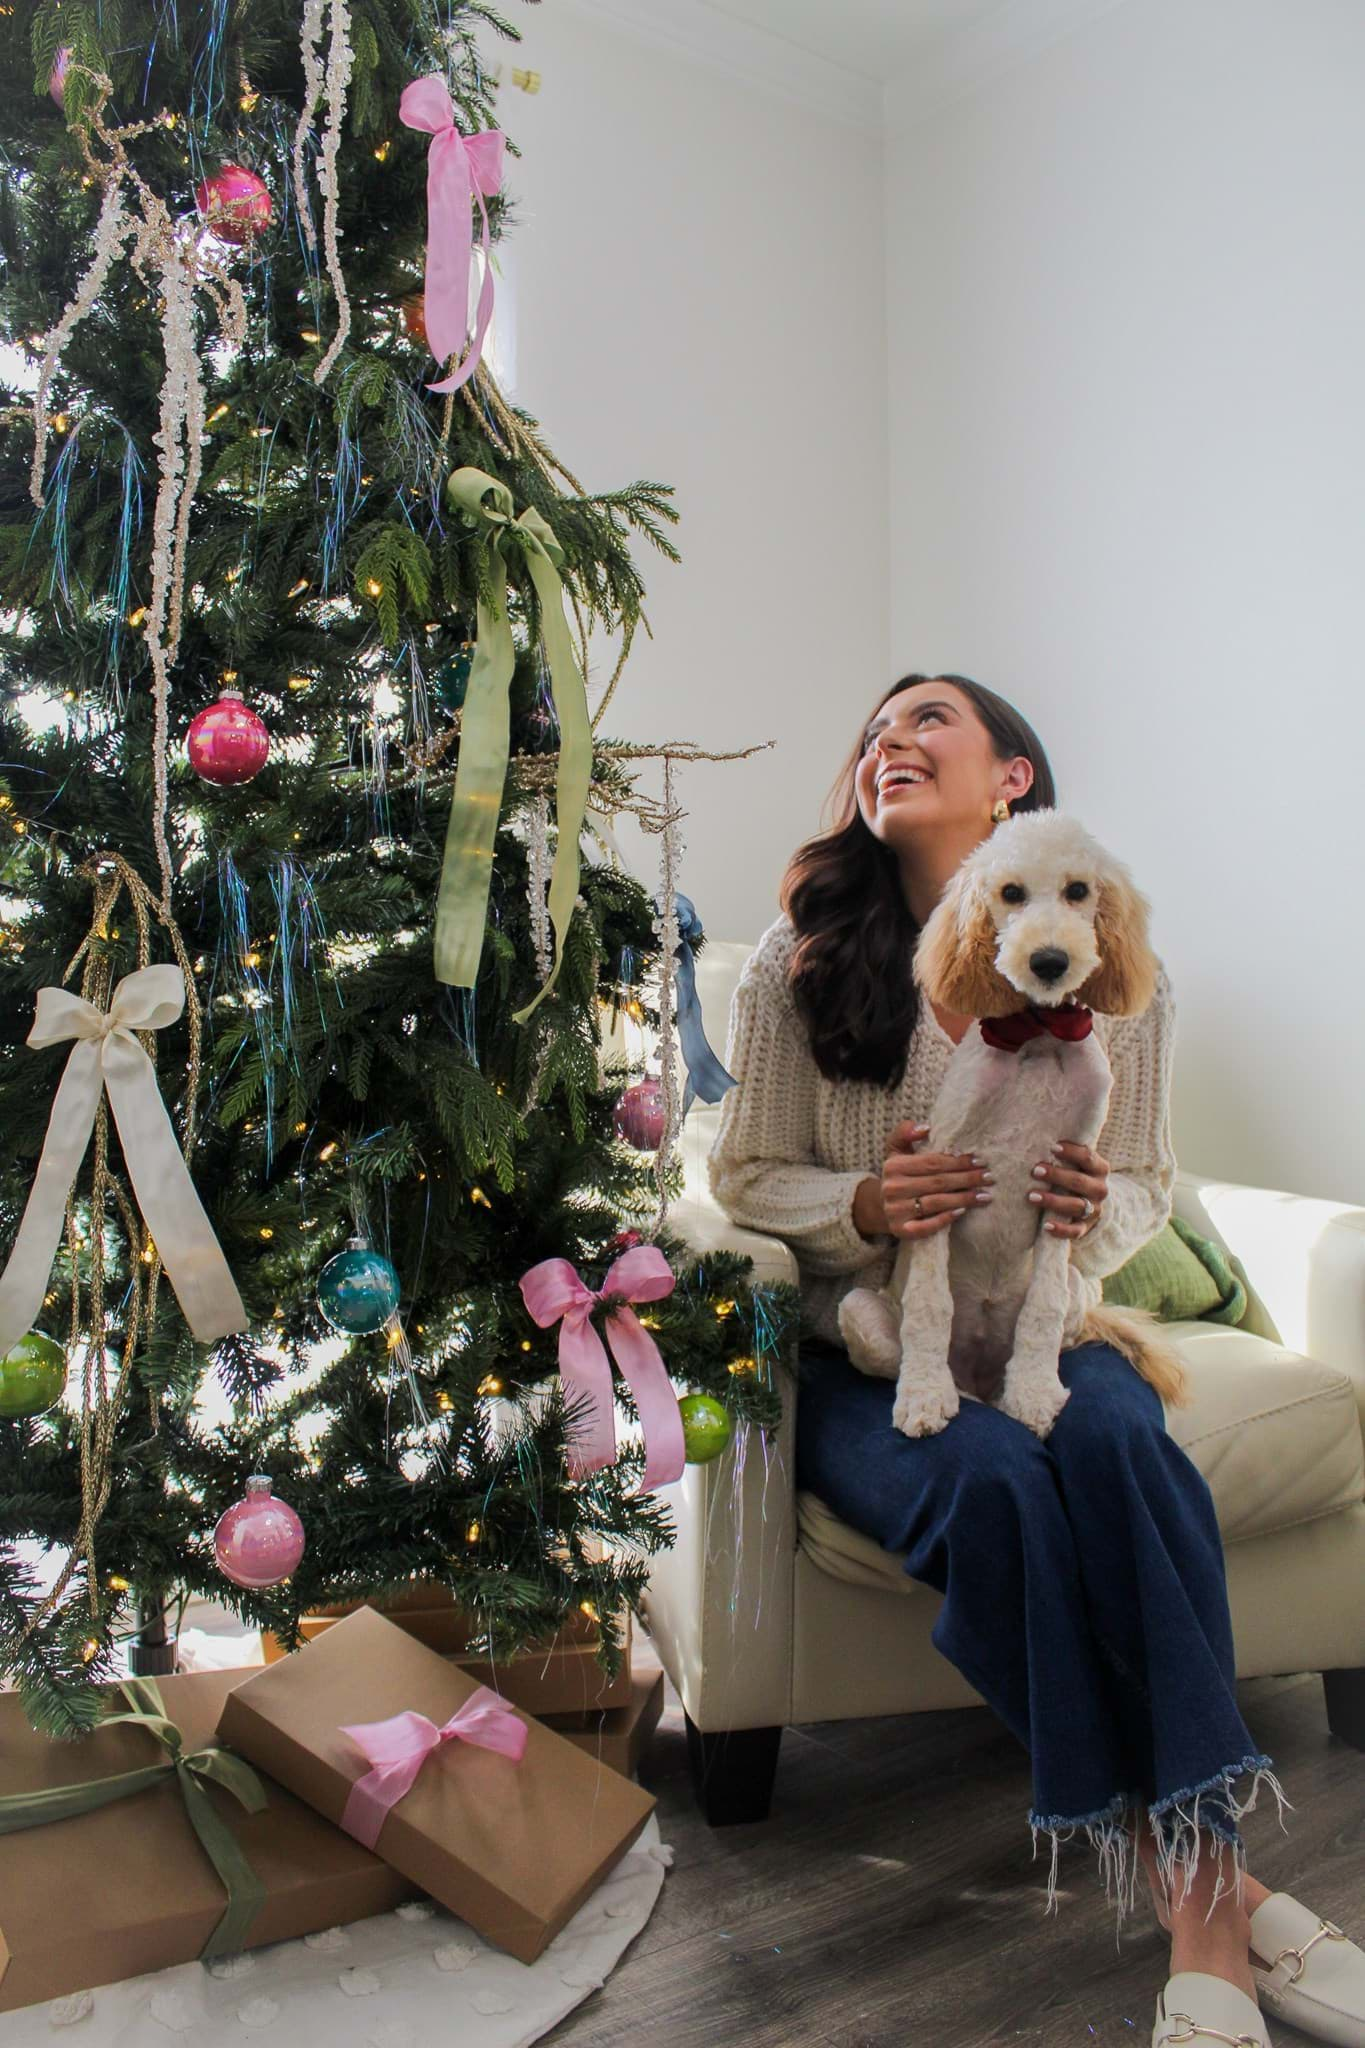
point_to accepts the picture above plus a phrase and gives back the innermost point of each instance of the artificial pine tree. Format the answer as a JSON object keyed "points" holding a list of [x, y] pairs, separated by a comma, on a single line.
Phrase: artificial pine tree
{"points": [[321, 1080]]}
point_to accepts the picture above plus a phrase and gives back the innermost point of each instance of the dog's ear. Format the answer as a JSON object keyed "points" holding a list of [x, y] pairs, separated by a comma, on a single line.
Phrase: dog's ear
{"points": [[1125, 981], [955, 954]]}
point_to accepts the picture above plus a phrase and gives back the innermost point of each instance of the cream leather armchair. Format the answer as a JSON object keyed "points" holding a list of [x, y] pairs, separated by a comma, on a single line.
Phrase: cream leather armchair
{"points": [[769, 1612]]}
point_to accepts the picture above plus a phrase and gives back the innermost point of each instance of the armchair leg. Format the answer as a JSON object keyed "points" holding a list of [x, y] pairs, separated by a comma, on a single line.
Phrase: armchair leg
{"points": [[732, 1772], [1344, 1691]]}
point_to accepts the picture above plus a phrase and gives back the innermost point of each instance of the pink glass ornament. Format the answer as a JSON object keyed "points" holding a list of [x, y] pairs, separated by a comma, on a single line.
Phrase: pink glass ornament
{"points": [[639, 1115], [235, 203], [226, 741], [56, 84], [260, 1541]]}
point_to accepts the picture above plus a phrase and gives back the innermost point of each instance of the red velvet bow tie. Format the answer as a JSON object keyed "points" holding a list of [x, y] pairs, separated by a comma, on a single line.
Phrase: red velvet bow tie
{"points": [[1069, 1021]]}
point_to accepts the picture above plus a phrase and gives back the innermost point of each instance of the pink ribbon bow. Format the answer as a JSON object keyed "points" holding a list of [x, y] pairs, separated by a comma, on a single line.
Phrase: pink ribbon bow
{"points": [[553, 1289], [459, 168], [398, 1748]]}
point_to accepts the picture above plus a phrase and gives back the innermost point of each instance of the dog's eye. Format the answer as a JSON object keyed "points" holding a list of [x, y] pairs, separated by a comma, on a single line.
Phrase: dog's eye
{"points": [[1076, 892], [1013, 893]]}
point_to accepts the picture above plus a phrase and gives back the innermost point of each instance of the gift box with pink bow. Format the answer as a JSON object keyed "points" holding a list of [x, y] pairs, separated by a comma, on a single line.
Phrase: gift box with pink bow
{"points": [[492, 1813]]}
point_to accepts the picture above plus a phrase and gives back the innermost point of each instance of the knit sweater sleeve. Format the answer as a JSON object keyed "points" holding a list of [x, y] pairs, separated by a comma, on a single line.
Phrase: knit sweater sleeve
{"points": [[1136, 1138], [762, 1167]]}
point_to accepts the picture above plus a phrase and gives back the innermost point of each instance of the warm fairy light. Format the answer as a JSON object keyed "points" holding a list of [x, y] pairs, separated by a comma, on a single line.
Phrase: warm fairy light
{"points": [[300, 682], [148, 1254], [21, 825], [478, 1195], [444, 1402], [724, 1309], [381, 155], [299, 587], [328, 1150], [89, 1651], [248, 102], [253, 959], [136, 618], [650, 1322], [229, 675], [375, 589], [231, 575], [472, 1533], [309, 334], [217, 414], [586, 1607], [394, 1336], [116, 1584], [744, 1365], [298, 1128], [266, 1231], [277, 1313], [525, 1343], [200, 964], [61, 421], [421, 1176], [490, 1385]]}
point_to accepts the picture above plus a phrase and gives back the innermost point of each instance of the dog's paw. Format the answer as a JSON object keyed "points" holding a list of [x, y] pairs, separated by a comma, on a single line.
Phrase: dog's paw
{"points": [[869, 1329], [924, 1411], [1035, 1402]]}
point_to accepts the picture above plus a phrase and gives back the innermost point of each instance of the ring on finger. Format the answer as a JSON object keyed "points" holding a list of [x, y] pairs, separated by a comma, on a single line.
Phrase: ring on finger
{"points": [[918, 1206], [1087, 1206]]}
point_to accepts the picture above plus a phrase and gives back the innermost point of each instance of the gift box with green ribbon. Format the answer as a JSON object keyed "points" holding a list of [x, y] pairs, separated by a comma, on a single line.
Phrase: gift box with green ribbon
{"points": [[149, 1843]]}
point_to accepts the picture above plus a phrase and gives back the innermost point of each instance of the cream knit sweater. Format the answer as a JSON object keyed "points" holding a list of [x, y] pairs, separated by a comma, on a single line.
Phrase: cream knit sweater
{"points": [[792, 1146]]}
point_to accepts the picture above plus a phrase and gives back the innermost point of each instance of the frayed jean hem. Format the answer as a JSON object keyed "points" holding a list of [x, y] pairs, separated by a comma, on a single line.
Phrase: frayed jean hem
{"points": [[1175, 1825]]}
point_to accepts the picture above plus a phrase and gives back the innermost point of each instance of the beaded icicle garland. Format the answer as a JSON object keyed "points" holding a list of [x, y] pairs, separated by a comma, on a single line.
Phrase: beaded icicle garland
{"points": [[670, 853], [172, 259], [339, 59]]}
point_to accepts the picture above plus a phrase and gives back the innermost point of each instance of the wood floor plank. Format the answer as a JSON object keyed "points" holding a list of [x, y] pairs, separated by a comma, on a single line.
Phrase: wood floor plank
{"points": [[890, 1900]]}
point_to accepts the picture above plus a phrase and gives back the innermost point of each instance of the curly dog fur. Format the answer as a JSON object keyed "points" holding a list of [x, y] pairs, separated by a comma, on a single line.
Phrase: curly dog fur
{"points": [[994, 1295]]}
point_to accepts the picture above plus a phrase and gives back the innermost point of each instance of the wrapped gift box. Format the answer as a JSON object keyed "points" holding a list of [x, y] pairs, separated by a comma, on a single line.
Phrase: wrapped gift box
{"points": [[562, 1676], [620, 1736], [513, 1847], [106, 1895]]}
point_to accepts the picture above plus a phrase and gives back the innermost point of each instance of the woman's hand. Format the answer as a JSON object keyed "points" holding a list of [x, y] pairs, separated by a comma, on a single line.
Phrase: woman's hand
{"points": [[1077, 1175], [919, 1192]]}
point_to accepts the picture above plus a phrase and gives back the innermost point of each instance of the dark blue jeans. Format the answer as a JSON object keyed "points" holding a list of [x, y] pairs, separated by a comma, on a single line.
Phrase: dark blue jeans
{"points": [[1085, 1596]]}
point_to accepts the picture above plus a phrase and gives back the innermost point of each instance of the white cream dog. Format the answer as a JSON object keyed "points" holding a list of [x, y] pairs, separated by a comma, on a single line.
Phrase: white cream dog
{"points": [[1039, 921]]}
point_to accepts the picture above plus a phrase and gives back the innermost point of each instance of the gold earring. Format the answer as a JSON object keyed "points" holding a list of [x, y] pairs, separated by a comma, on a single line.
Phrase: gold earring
{"points": [[999, 811]]}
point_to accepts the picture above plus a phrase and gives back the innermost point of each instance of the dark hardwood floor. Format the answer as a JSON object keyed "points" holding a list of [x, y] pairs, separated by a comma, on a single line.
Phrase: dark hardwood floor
{"points": [[891, 1902]]}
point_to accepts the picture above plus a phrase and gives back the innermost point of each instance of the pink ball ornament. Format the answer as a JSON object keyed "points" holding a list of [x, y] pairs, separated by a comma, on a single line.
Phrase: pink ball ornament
{"points": [[56, 84], [260, 1541], [226, 741], [639, 1115], [236, 204]]}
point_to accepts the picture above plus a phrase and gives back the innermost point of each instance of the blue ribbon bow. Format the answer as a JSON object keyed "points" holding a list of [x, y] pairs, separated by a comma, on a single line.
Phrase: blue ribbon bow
{"points": [[706, 1077]]}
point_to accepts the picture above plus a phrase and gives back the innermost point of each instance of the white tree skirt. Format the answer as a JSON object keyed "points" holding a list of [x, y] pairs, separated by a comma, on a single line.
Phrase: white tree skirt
{"points": [[407, 1979]]}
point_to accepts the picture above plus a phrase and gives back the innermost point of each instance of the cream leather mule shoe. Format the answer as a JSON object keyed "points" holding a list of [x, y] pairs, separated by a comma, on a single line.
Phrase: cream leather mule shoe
{"points": [[1317, 1976], [1202, 2010]]}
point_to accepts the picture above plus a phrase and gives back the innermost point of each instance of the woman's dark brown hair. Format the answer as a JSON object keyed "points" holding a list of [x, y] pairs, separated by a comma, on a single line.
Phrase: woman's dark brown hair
{"points": [[855, 937]]}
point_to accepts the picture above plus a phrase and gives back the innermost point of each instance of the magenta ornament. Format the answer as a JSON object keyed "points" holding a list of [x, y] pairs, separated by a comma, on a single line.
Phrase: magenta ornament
{"points": [[639, 1115], [235, 203], [227, 742], [260, 1540], [56, 83]]}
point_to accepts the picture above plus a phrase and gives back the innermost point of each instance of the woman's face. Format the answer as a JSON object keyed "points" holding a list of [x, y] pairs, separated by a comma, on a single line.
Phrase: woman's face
{"points": [[928, 765]]}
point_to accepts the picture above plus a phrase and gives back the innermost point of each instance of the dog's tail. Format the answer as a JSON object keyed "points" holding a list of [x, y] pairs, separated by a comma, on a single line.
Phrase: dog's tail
{"points": [[1135, 1333]]}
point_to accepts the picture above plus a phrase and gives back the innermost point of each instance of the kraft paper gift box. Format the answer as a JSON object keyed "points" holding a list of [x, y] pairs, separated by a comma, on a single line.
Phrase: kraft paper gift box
{"points": [[561, 1676], [109, 1894], [620, 1736], [513, 1847]]}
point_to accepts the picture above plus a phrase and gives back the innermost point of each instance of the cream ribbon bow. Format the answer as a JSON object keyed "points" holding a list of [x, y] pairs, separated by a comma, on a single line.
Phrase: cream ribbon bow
{"points": [[106, 1055]]}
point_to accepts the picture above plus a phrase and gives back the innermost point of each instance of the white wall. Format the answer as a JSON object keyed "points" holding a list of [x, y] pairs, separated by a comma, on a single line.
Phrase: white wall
{"points": [[699, 284], [1126, 310]]}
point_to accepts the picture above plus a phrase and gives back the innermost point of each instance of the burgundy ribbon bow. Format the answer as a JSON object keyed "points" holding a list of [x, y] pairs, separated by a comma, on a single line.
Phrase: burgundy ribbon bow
{"points": [[1069, 1021], [553, 1290], [398, 1748]]}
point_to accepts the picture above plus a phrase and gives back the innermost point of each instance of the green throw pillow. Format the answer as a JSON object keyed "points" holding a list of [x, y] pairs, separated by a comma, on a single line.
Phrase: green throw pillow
{"points": [[1179, 1275]]}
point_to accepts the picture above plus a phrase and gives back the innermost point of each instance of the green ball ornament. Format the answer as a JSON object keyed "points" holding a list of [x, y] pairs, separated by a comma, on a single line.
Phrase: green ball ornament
{"points": [[707, 1428], [32, 1377]]}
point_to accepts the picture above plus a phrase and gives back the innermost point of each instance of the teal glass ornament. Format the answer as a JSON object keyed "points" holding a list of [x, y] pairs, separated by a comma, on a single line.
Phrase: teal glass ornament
{"points": [[450, 681], [358, 1290], [32, 1377], [707, 1428]]}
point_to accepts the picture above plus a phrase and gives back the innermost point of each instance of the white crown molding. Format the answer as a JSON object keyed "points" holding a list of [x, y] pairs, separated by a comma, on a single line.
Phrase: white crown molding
{"points": [[965, 61], [771, 63]]}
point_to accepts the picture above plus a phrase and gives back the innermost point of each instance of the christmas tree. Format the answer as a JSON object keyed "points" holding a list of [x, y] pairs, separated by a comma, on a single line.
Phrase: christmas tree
{"points": [[267, 594]]}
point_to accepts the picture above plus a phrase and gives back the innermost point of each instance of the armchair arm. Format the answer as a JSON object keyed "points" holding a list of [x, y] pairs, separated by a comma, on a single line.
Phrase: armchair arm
{"points": [[1303, 1260], [719, 1603]]}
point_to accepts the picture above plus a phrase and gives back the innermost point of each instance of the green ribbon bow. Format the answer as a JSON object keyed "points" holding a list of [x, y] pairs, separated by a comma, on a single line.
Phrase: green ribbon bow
{"points": [[245, 1892], [485, 736]]}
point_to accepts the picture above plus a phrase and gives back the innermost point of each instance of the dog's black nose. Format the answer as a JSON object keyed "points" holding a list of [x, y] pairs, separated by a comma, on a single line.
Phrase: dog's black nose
{"points": [[1049, 962]]}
